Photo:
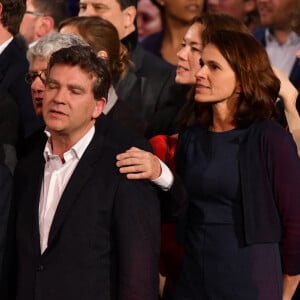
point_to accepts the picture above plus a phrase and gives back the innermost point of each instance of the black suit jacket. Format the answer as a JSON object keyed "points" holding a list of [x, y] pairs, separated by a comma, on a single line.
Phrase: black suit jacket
{"points": [[124, 115], [149, 89], [5, 201], [9, 116], [104, 239], [13, 67]]}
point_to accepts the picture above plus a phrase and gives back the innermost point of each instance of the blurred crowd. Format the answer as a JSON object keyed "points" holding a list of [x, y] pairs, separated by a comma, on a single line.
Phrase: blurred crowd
{"points": [[173, 75]]}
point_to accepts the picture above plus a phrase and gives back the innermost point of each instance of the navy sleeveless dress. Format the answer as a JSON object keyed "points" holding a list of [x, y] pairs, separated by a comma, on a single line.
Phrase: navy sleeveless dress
{"points": [[218, 265]]}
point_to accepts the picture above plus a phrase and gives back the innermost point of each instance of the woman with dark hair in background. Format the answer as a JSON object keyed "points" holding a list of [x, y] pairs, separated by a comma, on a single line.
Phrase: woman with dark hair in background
{"points": [[176, 17], [148, 18]]}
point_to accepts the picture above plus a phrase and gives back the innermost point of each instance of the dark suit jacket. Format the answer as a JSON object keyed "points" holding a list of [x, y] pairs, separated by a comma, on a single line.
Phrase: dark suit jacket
{"points": [[126, 117], [149, 89], [153, 43], [9, 116], [13, 67], [5, 201], [104, 239]]}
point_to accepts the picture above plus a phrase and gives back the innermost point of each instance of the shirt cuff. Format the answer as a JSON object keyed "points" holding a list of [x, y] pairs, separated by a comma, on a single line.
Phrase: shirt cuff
{"points": [[166, 179]]}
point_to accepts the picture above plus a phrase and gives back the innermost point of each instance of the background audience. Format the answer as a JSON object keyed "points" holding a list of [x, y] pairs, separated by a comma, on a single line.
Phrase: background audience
{"points": [[42, 17], [279, 38], [148, 18], [176, 18], [243, 10], [18, 117], [148, 87]]}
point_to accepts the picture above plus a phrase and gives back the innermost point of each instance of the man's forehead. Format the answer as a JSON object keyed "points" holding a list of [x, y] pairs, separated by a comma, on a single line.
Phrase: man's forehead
{"points": [[74, 69]]}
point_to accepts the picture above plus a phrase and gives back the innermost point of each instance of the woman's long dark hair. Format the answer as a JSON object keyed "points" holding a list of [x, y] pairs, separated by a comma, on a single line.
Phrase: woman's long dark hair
{"points": [[193, 112]]}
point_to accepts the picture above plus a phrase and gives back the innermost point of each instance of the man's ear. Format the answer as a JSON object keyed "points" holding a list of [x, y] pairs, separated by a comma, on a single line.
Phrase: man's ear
{"points": [[46, 26], [129, 15], [99, 107]]}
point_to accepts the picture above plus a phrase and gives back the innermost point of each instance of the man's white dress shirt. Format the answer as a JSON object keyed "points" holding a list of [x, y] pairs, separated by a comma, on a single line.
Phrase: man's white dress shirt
{"points": [[56, 176]]}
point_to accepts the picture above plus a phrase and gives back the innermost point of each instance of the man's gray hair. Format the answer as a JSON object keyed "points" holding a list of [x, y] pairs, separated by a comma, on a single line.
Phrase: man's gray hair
{"points": [[52, 42]]}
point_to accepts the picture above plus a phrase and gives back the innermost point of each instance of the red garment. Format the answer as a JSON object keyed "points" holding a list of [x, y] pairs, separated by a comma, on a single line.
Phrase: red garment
{"points": [[171, 253], [164, 148]]}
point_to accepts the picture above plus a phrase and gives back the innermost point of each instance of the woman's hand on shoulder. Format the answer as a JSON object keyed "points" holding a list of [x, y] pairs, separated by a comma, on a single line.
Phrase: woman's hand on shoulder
{"points": [[139, 164]]}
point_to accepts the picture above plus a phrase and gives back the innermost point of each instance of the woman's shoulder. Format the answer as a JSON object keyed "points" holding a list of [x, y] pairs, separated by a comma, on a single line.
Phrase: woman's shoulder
{"points": [[268, 128], [270, 134]]}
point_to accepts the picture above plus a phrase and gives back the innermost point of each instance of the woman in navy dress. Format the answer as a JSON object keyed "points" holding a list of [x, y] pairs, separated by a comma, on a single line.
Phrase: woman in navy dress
{"points": [[242, 174]]}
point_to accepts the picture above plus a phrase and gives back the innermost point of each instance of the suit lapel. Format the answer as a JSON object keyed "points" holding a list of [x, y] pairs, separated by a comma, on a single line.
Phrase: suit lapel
{"points": [[77, 181]]}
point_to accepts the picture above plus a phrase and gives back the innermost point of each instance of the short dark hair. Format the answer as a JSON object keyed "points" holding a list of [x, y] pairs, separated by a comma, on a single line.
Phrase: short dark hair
{"points": [[126, 3], [57, 9], [12, 14], [85, 58]]}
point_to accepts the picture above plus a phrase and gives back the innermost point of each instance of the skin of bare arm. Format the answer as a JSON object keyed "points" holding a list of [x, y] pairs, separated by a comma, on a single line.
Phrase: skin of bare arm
{"points": [[290, 284], [138, 164], [289, 94]]}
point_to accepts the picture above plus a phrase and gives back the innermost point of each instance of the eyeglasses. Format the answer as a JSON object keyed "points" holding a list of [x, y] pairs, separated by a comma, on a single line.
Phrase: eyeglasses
{"points": [[35, 13], [31, 76]]}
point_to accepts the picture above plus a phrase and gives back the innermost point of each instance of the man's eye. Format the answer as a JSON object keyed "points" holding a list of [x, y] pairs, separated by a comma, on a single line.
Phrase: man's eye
{"points": [[76, 92], [98, 7], [51, 86]]}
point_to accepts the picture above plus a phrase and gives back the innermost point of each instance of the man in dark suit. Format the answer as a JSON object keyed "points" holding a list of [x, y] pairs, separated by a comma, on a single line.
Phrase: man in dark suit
{"points": [[83, 230], [14, 65], [5, 202], [278, 36], [41, 18], [149, 86]]}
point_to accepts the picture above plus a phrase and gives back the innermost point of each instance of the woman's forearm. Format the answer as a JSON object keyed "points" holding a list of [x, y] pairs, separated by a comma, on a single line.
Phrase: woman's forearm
{"points": [[290, 284]]}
